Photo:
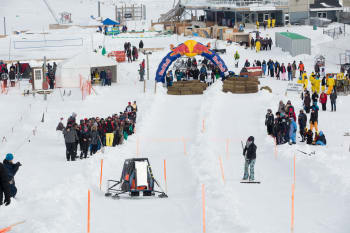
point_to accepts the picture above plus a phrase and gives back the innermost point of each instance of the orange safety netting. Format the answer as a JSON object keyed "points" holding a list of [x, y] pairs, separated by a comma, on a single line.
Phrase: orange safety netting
{"points": [[85, 87]]}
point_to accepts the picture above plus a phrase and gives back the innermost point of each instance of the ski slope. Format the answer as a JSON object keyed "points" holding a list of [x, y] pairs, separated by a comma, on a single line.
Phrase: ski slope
{"points": [[192, 133]]}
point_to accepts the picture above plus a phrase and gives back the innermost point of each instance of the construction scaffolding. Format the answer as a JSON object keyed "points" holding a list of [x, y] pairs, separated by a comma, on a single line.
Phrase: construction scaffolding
{"points": [[130, 13]]}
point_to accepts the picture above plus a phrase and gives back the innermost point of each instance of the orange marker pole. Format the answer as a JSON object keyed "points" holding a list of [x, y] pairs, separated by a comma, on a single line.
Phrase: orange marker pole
{"points": [[101, 173], [222, 169], [203, 125], [292, 221], [88, 224], [166, 183], [203, 205]]}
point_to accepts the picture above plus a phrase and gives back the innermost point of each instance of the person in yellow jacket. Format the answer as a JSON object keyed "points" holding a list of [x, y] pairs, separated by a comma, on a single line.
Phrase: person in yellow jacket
{"points": [[257, 46], [330, 83], [340, 76], [312, 82], [304, 76], [273, 22], [317, 84], [268, 23], [257, 24]]}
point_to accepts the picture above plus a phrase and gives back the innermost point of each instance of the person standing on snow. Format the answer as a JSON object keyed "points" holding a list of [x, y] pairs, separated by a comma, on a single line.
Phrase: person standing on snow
{"points": [[292, 131], [236, 56], [249, 153], [323, 100], [302, 119], [333, 97], [11, 169], [4, 186], [269, 120], [70, 138]]}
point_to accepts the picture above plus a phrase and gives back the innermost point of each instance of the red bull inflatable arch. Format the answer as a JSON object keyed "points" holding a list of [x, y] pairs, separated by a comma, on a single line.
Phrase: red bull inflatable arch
{"points": [[189, 48]]}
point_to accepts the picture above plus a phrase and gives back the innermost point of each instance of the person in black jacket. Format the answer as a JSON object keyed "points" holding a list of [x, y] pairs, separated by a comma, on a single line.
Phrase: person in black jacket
{"points": [[302, 119], [249, 152], [84, 142], [141, 45], [269, 120], [4, 186], [11, 169]]}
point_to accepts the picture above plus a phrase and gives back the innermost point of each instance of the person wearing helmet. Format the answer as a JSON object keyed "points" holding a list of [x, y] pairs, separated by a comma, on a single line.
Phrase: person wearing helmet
{"points": [[249, 152], [11, 169]]}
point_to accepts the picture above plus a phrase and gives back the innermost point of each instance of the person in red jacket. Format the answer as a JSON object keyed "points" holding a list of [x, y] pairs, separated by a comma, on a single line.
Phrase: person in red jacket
{"points": [[323, 100]]}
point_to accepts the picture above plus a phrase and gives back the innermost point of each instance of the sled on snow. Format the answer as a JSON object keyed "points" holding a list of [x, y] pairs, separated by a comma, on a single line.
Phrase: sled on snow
{"points": [[136, 178]]}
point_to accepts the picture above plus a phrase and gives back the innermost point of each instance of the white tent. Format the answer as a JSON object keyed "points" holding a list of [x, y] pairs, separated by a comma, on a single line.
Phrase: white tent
{"points": [[69, 72]]}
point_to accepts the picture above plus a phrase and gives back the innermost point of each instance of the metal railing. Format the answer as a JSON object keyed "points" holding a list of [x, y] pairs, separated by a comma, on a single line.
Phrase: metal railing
{"points": [[236, 3]]}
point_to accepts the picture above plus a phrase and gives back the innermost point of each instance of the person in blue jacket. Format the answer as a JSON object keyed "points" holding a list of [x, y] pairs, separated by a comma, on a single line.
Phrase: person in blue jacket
{"points": [[321, 141], [292, 131], [264, 66], [11, 169]]}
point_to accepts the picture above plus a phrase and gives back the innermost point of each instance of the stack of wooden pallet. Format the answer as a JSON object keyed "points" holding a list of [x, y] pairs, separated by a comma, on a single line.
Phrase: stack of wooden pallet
{"points": [[241, 85], [194, 87]]}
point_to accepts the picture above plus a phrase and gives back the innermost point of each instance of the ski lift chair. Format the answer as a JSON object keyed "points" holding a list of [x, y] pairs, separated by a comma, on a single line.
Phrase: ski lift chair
{"points": [[136, 178]]}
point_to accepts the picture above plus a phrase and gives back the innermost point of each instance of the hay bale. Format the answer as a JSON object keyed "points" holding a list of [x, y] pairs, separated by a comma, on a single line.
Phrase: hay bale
{"points": [[251, 91], [186, 92], [178, 84], [174, 88], [174, 92], [197, 92], [266, 88]]}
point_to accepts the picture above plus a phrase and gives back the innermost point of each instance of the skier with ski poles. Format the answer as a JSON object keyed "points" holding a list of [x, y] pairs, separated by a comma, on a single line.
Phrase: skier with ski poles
{"points": [[249, 153]]}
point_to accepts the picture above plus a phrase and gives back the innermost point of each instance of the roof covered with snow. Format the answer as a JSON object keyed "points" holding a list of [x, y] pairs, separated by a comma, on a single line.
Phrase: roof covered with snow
{"points": [[88, 59], [325, 4]]}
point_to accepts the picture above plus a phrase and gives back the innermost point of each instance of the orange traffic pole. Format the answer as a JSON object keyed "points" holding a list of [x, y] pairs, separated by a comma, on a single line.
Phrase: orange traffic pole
{"points": [[292, 221], [88, 220], [203, 205], [101, 173], [203, 125], [166, 183], [222, 169]]}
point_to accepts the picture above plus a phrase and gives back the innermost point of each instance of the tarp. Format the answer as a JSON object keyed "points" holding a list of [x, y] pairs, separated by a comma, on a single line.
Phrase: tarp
{"points": [[69, 72], [108, 21]]}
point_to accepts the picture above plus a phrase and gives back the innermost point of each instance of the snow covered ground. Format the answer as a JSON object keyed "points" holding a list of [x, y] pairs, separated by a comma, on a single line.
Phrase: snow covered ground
{"points": [[52, 193]]}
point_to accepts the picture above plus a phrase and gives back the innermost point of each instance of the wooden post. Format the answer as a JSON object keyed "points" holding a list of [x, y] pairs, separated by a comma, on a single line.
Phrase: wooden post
{"points": [[155, 86], [144, 85], [147, 66]]}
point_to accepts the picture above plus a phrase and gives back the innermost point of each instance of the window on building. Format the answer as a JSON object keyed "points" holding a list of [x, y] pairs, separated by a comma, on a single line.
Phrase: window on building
{"points": [[322, 14]]}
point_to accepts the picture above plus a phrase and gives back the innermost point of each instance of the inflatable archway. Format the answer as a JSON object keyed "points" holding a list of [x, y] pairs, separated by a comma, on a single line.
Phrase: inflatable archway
{"points": [[189, 48]]}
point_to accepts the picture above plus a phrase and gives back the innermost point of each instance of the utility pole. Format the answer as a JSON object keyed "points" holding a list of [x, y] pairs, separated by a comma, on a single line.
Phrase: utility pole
{"points": [[44, 73], [99, 9]]}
